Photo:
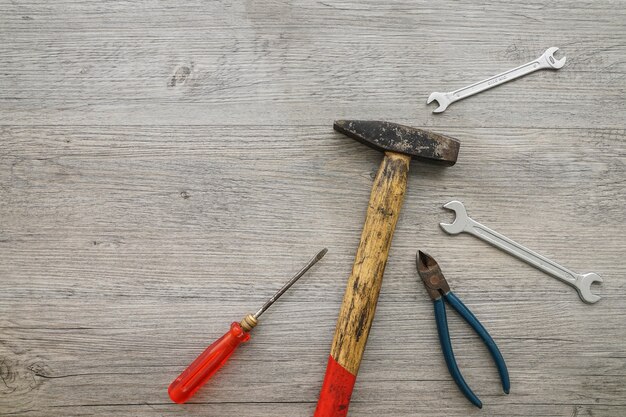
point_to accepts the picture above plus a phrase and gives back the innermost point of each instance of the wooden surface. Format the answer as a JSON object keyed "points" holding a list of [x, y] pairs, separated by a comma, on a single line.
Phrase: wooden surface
{"points": [[165, 166]]}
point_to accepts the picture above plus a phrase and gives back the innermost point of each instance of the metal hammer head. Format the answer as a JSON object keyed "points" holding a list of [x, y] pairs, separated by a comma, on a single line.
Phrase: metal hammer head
{"points": [[386, 136]]}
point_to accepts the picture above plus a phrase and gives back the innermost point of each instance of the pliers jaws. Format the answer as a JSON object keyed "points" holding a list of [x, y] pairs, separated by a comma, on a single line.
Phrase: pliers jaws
{"points": [[431, 274], [439, 291]]}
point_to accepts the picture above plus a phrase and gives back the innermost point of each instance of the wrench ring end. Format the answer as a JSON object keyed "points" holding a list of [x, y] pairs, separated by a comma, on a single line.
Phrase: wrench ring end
{"points": [[583, 285], [441, 100], [460, 221], [551, 60]]}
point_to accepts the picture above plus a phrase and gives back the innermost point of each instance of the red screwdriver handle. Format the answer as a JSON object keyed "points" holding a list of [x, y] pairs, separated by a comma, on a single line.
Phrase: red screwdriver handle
{"points": [[205, 365]]}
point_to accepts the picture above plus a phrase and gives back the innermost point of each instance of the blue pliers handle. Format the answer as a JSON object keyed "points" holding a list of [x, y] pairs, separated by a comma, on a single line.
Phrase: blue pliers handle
{"points": [[439, 291]]}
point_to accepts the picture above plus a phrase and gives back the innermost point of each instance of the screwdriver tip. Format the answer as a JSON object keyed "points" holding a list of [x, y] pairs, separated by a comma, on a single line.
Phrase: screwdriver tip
{"points": [[321, 254]]}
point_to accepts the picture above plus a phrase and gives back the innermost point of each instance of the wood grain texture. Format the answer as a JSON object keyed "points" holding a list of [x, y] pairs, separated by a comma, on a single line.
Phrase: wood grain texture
{"points": [[359, 301], [165, 166]]}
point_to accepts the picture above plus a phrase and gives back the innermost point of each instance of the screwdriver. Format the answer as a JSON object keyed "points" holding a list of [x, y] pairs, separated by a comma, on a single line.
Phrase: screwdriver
{"points": [[216, 355]]}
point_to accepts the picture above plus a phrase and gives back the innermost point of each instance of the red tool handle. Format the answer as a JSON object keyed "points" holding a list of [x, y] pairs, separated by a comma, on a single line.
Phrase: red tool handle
{"points": [[359, 302], [205, 365]]}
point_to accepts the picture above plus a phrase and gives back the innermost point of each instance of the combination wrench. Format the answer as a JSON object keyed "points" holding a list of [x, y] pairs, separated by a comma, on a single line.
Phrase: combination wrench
{"points": [[463, 223], [546, 60]]}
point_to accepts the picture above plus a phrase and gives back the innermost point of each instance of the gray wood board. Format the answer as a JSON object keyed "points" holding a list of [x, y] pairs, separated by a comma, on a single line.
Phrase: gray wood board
{"points": [[165, 167]]}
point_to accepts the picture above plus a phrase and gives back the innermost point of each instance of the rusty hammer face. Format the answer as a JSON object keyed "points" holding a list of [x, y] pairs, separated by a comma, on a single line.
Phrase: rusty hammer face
{"points": [[400, 143], [392, 137]]}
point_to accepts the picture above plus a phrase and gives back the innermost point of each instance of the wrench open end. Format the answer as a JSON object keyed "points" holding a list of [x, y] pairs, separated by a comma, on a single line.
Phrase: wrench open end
{"points": [[441, 99], [548, 55], [460, 221], [583, 285]]}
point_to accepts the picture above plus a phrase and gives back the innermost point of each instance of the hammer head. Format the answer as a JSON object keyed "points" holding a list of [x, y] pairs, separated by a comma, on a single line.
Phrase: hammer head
{"points": [[393, 137]]}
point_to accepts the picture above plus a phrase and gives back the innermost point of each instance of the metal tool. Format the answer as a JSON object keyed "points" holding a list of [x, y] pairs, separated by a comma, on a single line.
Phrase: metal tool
{"points": [[439, 290], [399, 143], [216, 355], [545, 61], [463, 223]]}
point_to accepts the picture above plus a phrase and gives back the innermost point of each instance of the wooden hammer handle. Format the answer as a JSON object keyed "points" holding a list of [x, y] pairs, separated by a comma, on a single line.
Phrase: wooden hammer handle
{"points": [[359, 302]]}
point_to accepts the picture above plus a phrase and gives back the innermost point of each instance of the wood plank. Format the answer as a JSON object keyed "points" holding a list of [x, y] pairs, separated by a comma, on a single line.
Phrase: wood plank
{"points": [[302, 63], [127, 251], [165, 167]]}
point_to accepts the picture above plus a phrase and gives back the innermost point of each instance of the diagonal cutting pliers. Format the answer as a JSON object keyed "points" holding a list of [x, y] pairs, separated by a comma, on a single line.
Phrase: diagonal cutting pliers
{"points": [[439, 290]]}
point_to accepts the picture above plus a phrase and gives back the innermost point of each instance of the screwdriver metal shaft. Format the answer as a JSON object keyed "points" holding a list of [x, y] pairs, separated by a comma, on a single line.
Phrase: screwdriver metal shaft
{"points": [[292, 281], [216, 355]]}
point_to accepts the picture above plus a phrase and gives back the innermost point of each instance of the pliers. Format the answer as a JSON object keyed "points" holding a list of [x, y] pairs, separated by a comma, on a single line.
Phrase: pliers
{"points": [[439, 290]]}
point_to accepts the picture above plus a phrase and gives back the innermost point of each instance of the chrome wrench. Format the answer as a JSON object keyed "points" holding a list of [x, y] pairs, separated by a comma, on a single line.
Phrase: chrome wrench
{"points": [[546, 60], [463, 223]]}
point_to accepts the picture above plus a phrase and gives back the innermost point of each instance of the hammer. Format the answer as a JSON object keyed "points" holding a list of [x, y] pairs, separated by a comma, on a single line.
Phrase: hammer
{"points": [[399, 143]]}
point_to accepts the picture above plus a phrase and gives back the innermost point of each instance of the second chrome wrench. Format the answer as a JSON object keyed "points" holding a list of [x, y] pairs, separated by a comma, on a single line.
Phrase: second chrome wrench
{"points": [[546, 60], [463, 223]]}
